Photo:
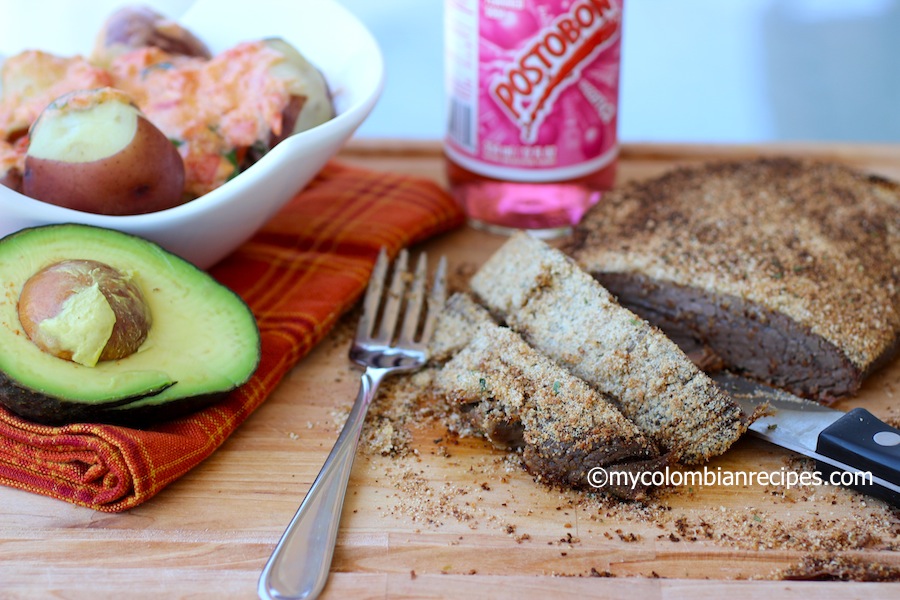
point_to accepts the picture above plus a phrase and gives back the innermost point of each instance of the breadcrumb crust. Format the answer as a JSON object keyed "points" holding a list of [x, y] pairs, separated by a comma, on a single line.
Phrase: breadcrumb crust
{"points": [[816, 241], [564, 313]]}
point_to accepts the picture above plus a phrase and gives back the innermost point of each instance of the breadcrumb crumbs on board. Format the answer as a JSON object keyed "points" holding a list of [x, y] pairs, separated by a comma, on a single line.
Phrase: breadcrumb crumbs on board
{"points": [[437, 487], [829, 567], [423, 452]]}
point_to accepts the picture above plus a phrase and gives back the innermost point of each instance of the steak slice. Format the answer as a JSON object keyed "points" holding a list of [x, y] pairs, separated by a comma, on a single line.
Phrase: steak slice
{"points": [[518, 398], [787, 270], [567, 315]]}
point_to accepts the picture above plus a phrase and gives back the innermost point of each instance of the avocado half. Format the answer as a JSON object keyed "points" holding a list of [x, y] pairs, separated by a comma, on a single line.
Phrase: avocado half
{"points": [[203, 341]]}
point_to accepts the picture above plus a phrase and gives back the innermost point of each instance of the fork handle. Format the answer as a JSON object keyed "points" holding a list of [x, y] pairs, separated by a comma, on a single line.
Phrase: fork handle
{"points": [[299, 565]]}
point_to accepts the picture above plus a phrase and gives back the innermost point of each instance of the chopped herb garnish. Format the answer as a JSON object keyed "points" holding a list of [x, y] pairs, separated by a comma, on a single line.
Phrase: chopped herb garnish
{"points": [[162, 66], [232, 157], [483, 383], [556, 386]]}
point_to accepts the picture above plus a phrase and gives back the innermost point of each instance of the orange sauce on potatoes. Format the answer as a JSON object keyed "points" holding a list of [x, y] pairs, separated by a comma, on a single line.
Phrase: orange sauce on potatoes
{"points": [[33, 79], [215, 111]]}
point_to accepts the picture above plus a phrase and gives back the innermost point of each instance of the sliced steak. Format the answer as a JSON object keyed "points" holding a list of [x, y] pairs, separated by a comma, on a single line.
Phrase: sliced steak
{"points": [[564, 313], [787, 270], [519, 399]]}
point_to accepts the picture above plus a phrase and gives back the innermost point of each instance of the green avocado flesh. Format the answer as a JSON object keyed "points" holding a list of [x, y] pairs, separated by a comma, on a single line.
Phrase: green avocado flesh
{"points": [[203, 341]]}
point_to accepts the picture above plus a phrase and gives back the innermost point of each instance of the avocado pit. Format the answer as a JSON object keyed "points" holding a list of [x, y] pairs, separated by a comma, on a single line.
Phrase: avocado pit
{"points": [[84, 311]]}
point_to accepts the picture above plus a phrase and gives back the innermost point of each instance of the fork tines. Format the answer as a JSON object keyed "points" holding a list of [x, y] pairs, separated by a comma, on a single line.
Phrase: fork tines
{"points": [[406, 293]]}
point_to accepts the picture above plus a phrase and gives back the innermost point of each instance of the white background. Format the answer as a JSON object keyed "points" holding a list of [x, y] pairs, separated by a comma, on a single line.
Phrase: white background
{"points": [[731, 71]]}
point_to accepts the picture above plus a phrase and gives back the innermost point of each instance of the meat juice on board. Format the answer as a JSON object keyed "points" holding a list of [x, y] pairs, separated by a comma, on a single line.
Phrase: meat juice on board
{"points": [[532, 105]]}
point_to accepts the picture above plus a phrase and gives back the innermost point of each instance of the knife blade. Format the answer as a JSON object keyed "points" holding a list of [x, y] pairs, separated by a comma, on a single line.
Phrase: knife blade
{"points": [[855, 442]]}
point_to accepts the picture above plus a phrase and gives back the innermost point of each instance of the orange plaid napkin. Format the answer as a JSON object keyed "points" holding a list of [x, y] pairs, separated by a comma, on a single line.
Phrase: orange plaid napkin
{"points": [[298, 275]]}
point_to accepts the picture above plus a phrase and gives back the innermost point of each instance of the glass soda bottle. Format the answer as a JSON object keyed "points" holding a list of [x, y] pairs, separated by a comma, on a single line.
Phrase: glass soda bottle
{"points": [[532, 92]]}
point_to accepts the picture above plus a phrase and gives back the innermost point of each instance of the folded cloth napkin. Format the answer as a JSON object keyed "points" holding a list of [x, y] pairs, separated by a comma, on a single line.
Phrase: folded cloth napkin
{"points": [[298, 275]]}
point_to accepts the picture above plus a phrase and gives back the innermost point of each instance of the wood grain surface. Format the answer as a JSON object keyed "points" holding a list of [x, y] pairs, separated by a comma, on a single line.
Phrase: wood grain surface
{"points": [[449, 517]]}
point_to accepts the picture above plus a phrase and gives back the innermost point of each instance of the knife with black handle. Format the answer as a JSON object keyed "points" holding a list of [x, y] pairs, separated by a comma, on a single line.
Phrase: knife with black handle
{"points": [[855, 442], [860, 439]]}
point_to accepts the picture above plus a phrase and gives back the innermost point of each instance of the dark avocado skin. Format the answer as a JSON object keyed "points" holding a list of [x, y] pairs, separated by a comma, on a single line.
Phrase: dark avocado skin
{"points": [[48, 410], [140, 417]]}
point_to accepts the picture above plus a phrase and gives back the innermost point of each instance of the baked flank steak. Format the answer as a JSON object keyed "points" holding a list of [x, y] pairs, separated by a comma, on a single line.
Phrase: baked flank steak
{"points": [[519, 399], [787, 270], [568, 316]]}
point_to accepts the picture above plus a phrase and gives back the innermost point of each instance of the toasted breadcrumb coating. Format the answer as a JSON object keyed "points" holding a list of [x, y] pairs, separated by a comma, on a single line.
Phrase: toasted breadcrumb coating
{"points": [[519, 398], [564, 313], [816, 241], [455, 326]]}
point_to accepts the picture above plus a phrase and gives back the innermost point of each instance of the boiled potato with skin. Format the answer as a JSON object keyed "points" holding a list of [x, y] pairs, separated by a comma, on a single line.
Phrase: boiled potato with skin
{"points": [[11, 178], [310, 103], [10, 168], [133, 27], [94, 151]]}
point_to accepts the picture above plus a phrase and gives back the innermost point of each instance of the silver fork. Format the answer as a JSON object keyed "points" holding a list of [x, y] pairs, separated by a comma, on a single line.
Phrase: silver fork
{"points": [[299, 565]]}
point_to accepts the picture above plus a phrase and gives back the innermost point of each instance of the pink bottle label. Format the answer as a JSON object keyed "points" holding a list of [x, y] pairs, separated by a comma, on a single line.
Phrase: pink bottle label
{"points": [[533, 86]]}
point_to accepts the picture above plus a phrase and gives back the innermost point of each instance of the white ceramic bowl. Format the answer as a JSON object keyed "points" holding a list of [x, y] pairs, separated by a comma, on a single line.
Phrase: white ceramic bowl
{"points": [[206, 229]]}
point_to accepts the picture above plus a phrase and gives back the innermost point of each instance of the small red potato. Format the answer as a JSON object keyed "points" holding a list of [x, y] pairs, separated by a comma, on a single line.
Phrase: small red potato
{"points": [[11, 158], [10, 175], [11, 178], [84, 311], [133, 27], [94, 151]]}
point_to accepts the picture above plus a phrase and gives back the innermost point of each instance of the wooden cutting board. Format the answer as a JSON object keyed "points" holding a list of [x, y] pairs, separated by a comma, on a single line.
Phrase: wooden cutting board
{"points": [[430, 514]]}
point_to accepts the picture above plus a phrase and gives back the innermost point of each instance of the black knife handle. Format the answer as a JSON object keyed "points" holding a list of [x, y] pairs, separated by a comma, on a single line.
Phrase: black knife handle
{"points": [[862, 441]]}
